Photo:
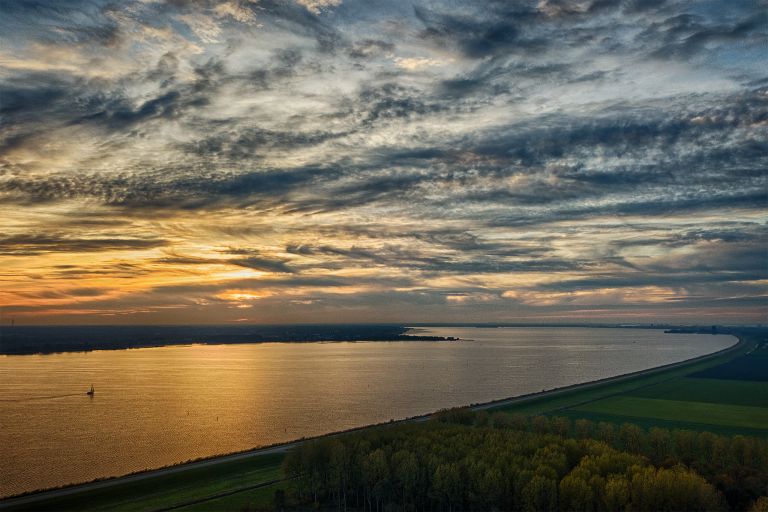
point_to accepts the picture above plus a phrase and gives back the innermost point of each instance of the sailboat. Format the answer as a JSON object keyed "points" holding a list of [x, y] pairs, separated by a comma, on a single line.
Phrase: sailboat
{"points": [[91, 391]]}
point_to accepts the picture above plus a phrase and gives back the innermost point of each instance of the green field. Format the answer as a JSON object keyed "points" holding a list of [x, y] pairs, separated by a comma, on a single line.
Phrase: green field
{"points": [[716, 391], [695, 412], [647, 423], [171, 490], [243, 500]]}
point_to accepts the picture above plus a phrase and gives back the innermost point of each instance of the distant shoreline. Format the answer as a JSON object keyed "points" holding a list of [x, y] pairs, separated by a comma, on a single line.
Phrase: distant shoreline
{"points": [[43, 340], [33, 340]]}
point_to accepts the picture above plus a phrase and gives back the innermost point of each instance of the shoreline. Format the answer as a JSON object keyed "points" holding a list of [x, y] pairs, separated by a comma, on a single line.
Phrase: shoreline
{"points": [[22, 340], [36, 340], [109, 481], [609, 380], [404, 338]]}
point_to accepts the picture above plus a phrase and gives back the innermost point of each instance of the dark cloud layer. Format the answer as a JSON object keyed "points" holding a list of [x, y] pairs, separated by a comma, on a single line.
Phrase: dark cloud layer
{"points": [[30, 245]]}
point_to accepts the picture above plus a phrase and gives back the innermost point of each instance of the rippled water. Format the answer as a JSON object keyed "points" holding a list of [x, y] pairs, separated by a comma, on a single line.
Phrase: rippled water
{"points": [[159, 406]]}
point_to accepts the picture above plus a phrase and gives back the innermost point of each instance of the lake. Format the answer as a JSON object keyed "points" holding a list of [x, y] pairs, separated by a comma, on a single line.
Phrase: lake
{"points": [[160, 406]]}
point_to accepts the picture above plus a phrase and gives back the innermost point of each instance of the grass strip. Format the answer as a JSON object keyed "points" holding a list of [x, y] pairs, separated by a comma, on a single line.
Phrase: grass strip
{"points": [[717, 391], [648, 423], [167, 490], [698, 412], [256, 498]]}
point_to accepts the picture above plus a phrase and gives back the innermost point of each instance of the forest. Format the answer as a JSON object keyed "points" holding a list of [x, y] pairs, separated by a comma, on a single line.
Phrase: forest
{"points": [[465, 460]]}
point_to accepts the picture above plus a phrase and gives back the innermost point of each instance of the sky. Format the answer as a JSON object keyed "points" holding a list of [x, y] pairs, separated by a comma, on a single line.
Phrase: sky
{"points": [[300, 161]]}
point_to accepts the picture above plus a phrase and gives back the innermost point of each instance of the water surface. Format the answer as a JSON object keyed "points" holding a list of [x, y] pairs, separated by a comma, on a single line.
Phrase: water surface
{"points": [[159, 406]]}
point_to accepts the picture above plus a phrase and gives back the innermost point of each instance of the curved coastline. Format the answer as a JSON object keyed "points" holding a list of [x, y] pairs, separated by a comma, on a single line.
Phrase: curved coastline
{"points": [[51, 340], [549, 393], [110, 481]]}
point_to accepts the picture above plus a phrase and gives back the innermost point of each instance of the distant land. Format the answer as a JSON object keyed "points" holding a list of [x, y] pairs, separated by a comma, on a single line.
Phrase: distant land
{"points": [[18, 340]]}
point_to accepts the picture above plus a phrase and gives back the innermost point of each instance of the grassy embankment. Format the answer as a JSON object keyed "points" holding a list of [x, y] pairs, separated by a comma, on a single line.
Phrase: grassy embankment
{"points": [[721, 395], [168, 491], [702, 395]]}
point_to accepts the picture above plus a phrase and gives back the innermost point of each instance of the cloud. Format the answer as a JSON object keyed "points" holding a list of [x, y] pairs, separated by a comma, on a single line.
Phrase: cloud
{"points": [[317, 6], [414, 63], [239, 11], [368, 48], [686, 35], [204, 27], [31, 245], [437, 262], [252, 259], [474, 37], [568, 153]]}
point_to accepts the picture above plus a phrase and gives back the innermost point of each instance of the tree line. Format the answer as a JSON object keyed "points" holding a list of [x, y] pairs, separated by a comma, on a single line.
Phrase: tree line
{"points": [[465, 460]]}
